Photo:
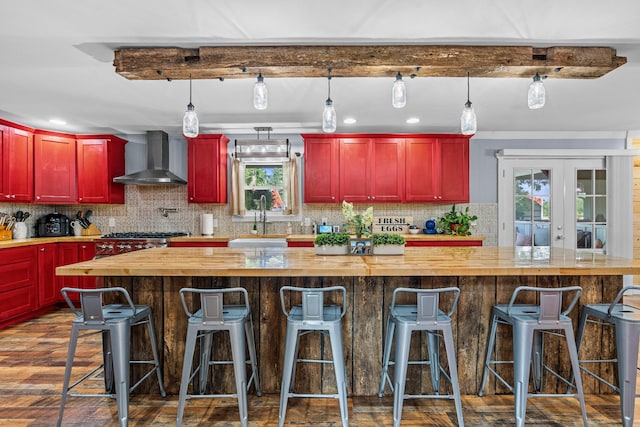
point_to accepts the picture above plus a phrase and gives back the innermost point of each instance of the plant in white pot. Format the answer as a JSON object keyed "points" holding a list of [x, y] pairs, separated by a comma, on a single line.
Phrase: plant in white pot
{"points": [[331, 244], [388, 244]]}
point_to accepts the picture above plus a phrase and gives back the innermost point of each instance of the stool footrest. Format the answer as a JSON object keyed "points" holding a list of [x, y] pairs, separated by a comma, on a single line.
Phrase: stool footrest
{"points": [[326, 396]]}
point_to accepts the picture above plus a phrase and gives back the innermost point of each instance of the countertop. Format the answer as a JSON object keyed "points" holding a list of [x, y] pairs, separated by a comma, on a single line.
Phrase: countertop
{"points": [[15, 243], [302, 262]]}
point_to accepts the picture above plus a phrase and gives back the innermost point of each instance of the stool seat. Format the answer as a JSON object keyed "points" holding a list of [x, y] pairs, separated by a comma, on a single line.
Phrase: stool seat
{"points": [[530, 322], [625, 319], [425, 315], [211, 317], [114, 321], [312, 316]]}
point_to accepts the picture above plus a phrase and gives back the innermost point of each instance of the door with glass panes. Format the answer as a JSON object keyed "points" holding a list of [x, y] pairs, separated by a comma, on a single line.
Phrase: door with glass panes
{"points": [[558, 203]]}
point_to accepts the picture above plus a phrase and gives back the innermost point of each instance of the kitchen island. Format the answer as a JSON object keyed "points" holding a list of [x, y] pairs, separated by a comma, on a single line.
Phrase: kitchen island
{"points": [[485, 275]]}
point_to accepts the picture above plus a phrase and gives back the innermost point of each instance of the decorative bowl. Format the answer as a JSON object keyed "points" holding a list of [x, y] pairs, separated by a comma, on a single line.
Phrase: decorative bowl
{"points": [[414, 230]]}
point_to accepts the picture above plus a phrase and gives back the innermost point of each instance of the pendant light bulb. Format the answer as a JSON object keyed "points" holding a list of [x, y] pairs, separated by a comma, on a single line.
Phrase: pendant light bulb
{"points": [[468, 121], [399, 92], [260, 94], [329, 118], [536, 96], [190, 122]]}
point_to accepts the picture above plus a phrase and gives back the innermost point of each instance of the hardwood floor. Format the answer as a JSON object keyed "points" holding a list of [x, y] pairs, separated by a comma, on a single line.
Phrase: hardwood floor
{"points": [[32, 358]]}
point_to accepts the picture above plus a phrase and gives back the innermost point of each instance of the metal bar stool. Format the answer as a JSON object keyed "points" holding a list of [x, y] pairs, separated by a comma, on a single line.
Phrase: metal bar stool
{"points": [[529, 323], [625, 319], [114, 322], [214, 316], [313, 315], [424, 315]]}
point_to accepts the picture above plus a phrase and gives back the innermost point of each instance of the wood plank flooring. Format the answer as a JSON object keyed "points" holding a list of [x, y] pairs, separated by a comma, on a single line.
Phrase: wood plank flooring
{"points": [[32, 358]]}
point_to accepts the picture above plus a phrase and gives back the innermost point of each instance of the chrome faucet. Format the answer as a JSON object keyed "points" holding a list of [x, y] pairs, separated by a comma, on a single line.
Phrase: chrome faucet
{"points": [[263, 213]]}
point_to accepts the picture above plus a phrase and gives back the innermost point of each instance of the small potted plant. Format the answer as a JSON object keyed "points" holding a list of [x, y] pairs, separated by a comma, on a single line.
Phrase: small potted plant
{"points": [[457, 223], [331, 244], [388, 244]]}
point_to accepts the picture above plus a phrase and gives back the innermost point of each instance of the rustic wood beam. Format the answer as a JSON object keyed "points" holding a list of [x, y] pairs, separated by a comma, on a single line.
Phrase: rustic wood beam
{"points": [[229, 62]]}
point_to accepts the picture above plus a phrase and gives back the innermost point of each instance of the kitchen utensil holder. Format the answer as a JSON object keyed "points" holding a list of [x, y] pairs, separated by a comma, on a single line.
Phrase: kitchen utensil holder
{"points": [[5, 234], [92, 230]]}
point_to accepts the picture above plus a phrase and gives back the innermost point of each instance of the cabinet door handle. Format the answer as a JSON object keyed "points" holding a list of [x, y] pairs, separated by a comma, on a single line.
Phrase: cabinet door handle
{"points": [[41, 249]]}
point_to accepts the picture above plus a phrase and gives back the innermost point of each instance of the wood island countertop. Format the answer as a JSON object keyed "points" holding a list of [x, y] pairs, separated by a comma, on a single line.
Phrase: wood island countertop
{"points": [[302, 262]]}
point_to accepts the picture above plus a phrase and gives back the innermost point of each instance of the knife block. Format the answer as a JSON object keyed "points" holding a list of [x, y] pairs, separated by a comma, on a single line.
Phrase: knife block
{"points": [[4, 233], [92, 230]]}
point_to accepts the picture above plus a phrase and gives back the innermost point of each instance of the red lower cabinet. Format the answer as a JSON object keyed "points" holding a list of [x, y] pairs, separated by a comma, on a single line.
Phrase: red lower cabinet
{"points": [[18, 284], [70, 253], [47, 262]]}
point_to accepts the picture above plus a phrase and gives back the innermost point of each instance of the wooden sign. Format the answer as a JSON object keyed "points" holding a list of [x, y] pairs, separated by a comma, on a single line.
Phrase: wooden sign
{"points": [[391, 224]]}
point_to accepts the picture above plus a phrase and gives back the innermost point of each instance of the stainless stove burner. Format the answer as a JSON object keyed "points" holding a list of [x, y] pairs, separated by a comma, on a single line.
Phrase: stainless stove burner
{"points": [[119, 243]]}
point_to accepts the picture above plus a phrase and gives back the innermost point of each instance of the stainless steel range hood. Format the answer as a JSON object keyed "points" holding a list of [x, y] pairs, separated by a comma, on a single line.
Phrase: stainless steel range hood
{"points": [[157, 171]]}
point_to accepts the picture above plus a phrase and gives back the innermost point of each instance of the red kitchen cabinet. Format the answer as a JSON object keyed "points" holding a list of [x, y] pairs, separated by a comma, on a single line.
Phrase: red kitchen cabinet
{"points": [[372, 170], [321, 169], [47, 286], [55, 170], [18, 283], [437, 169], [207, 175], [198, 244], [100, 159], [70, 253], [16, 159]]}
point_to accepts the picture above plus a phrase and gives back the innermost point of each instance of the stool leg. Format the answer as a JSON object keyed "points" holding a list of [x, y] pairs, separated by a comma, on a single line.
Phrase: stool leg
{"points": [[251, 342], [447, 334], [433, 346], [490, 344], [403, 340], [335, 335], [120, 344], [575, 368], [522, 344], [387, 355], [156, 357], [205, 357], [107, 363], [287, 368], [187, 361], [537, 350], [73, 340], [238, 350], [627, 348]]}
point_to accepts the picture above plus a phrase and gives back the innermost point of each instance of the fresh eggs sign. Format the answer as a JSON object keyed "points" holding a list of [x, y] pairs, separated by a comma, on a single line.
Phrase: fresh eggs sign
{"points": [[391, 224]]}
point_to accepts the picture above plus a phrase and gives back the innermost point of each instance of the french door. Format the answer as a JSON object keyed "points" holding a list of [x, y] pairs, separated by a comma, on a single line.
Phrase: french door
{"points": [[547, 202]]}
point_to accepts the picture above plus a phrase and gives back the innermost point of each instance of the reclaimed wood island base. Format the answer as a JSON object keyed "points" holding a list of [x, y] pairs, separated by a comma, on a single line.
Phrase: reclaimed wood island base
{"points": [[485, 276]]}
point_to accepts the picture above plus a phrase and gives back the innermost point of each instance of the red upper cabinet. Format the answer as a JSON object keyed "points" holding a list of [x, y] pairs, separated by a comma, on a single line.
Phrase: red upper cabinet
{"points": [[16, 159], [321, 169], [55, 177], [100, 159], [207, 175], [437, 169]]}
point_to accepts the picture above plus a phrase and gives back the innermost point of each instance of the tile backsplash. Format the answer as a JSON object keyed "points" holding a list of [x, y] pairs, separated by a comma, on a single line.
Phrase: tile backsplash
{"points": [[142, 212]]}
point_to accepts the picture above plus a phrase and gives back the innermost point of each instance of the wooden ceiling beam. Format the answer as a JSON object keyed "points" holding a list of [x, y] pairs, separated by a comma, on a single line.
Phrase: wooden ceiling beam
{"points": [[232, 62]]}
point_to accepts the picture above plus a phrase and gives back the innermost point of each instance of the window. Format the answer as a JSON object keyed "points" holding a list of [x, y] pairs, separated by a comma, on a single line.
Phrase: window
{"points": [[591, 208], [264, 180]]}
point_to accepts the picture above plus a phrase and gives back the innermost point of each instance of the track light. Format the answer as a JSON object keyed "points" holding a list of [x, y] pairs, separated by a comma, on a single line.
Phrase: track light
{"points": [[399, 92], [190, 122], [536, 95], [329, 119], [468, 122], [260, 94]]}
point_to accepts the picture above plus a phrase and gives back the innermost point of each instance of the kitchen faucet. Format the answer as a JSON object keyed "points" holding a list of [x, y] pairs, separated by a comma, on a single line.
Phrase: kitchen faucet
{"points": [[263, 213]]}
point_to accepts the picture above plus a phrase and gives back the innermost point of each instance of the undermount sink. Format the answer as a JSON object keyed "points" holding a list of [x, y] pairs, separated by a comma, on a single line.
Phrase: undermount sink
{"points": [[258, 242]]}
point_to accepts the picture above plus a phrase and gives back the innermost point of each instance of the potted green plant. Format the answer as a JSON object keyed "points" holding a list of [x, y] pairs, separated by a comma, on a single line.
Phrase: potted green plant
{"points": [[388, 244], [331, 244], [457, 223]]}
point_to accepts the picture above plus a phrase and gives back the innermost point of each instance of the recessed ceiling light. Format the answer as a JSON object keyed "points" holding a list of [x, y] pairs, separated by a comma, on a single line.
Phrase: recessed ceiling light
{"points": [[413, 120], [57, 122], [349, 121]]}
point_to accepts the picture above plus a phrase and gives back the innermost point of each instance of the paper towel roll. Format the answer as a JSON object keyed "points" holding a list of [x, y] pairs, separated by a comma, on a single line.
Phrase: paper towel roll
{"points": [[206, 224]]}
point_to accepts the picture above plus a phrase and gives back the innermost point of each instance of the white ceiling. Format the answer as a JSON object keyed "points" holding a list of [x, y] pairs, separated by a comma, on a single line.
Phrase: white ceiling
{"points": [[56, 62]]}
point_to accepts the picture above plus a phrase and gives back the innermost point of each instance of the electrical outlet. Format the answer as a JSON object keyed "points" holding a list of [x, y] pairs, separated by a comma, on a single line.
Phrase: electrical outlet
{"points": [[112, 222]]}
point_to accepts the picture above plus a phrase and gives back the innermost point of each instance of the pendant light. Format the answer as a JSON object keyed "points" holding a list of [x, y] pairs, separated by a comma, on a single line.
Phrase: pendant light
{"points": [[329, 119], [260, 95], [399, 92], [468, 122], [536, 96], [190, 121]]}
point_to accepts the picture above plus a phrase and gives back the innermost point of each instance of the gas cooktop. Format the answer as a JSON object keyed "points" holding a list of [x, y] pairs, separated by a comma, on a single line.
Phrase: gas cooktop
{"points": [[143, 235]]}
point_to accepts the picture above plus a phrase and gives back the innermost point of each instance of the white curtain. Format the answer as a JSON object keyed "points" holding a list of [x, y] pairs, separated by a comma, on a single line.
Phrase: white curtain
{"points": [[237, 187], [291, 172]]}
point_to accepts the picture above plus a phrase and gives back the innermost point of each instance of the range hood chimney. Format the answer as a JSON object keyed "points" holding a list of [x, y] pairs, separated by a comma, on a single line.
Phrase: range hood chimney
{"points": [[157, 171]]}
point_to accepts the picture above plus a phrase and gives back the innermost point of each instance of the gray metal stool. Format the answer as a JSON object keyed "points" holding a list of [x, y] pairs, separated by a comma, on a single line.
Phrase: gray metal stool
{"points": [[424, 315], [625, 319], [114, 321], [529, 323], [313, 315], [214, 316]]}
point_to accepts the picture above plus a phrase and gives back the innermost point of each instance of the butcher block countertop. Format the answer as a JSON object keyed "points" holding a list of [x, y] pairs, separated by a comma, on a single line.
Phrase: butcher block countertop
{"points": [[302, 262]]}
